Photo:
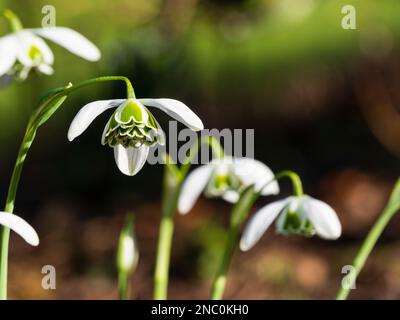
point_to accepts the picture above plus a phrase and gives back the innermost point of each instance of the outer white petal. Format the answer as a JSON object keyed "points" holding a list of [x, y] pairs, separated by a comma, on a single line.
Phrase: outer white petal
{"points": [[8, 53], [71, 40], [130, 160], [323, 218], [260, 222], [87, 114], [252, 171], [26, 40], [193, 186], [19, 226], [176, 110]]}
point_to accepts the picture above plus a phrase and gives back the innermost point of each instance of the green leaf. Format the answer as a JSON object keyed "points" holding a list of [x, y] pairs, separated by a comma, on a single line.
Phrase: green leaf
{"points": [[394, 201], [49, 94], [242, 207], [47, 110]]}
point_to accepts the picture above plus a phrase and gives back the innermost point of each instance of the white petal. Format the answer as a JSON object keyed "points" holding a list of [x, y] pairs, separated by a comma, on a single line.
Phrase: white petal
{"points": [[25, 41], [252, 171], [193, 186], [176, 110], [130, 160], [87, 114], [231, 196], [8, 53], [323, 218], [19, 226], [72, 41], [260, 222]]}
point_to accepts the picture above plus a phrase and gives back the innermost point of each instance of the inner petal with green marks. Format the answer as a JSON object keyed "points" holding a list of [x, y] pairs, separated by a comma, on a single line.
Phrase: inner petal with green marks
{"points": [[132, 125], [222, 181], [294, 223], [35, 54], [130, 111]]}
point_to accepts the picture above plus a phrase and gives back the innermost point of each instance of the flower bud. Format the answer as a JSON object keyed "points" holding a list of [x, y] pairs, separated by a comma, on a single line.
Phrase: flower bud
{"points": [[128, 253]]}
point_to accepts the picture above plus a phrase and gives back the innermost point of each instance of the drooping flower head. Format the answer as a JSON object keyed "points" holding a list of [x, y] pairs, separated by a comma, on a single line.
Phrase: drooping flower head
{"points": [[294, 215], [226, 178], [24, 49], [132, 129]]}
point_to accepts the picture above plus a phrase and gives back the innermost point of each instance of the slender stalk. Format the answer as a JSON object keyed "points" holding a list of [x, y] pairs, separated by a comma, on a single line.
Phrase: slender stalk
{"points": [[14, 21], [172, 186], [12, 190], [127, 256], [123, 288], [294, 178], [194, 150], [238, 215], [369, 243], [219, 283], [46, 109], [173, 179]]}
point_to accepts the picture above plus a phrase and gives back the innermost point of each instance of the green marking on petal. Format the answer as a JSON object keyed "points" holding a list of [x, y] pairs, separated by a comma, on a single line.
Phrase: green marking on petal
{"points": [[151, 122], [35, 54], [221, 182], [292, 221], [131, 111], [113, 122], [296, 224], [132, 125]]}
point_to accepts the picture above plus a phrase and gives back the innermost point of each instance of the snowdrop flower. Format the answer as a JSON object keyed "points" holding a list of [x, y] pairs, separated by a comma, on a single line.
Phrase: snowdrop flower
{"points": [[24, 49], [132, 129], [19, 226], [226, 178], [299, 215]]}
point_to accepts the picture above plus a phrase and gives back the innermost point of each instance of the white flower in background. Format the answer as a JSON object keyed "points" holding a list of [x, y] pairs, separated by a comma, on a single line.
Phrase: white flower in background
{"points": [[226, 178], [132, 129], [19, 226], [299, 215], [24, 49], [128, 252]]}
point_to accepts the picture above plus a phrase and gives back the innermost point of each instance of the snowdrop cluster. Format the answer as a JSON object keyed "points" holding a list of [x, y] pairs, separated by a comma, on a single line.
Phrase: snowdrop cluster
{"points": [[294, 215], [131, 131]]}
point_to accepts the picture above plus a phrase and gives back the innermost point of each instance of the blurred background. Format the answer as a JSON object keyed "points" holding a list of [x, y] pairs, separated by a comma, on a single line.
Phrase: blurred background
{"points": [[323, 101]]}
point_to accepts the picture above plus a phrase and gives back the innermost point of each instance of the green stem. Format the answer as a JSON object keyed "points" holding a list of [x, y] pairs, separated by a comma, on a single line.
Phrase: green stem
{"points": [[212, 142], [12, 190], [15, 23], [367, 246], [172, 187], [238, 215], [173, 179], [294, 177], [42, 114], [123, 287]]}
